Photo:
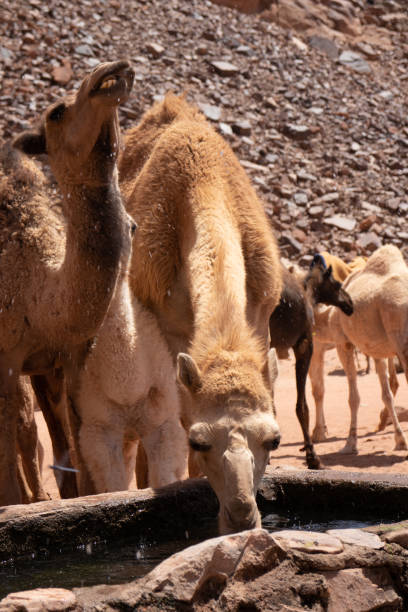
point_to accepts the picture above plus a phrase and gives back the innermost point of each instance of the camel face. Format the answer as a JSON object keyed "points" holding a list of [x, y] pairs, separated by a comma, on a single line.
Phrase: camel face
{"points": [[325, 289], [231, 437], [80, 133]]}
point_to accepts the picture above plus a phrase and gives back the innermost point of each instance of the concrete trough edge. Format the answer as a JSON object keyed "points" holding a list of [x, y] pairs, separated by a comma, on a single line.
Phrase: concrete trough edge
{"points": [[27, 529]]}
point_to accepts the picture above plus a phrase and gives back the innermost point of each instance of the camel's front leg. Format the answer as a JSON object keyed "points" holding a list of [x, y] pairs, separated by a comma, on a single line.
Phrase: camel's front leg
{"points": [[9, 409], [166, 451], [27, 436], [346, 356], [303, 353], [316, 374], [101, 449], [388, 399]]}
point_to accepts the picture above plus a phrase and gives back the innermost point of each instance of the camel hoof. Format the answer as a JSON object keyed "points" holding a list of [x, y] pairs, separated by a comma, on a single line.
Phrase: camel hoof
{"points": [[348, 450], [401, 445], [319, 435], [313, 463]]}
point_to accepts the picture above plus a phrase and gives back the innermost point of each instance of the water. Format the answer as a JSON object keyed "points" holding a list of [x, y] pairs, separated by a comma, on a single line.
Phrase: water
{"points": [[125, 560]]}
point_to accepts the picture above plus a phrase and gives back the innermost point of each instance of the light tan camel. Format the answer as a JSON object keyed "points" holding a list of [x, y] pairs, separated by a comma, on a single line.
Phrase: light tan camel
{"points": [[57, 283], [323, 342], [205, 262], [128, 391], [378, 327]]}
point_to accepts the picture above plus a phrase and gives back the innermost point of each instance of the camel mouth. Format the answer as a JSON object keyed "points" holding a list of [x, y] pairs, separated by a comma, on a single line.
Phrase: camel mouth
{"points": [[114, 85]]}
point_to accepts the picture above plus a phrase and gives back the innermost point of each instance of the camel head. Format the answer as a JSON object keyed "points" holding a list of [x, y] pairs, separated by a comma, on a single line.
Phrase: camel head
{"points": [[80, 133], [232, 432], [323, 288]]}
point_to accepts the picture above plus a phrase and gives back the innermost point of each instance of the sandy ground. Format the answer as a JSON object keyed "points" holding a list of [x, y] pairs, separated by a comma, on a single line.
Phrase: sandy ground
{"points": [[376, 449]]}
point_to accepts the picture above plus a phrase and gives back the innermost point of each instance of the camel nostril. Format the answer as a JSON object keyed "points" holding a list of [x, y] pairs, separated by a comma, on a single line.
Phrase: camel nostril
{"points": [[133, 228]]}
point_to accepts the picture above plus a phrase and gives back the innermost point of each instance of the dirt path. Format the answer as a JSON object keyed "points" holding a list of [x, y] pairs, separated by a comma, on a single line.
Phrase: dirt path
{"points": [[376, 450]]}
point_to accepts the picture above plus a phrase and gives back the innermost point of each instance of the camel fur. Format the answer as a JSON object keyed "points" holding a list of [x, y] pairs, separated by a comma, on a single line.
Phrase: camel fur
{"points": [[205, 263], [128, 392], [378, 327], [291, 326], [58, 274]]}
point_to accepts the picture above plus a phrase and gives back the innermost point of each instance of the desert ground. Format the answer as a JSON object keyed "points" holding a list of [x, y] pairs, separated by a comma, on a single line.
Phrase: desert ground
{"points": [[376, 449]]}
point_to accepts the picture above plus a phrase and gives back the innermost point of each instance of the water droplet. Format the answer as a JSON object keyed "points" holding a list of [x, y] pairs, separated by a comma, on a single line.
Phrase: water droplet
{"points": [[88, 548], [168, 292], [10, 372]]}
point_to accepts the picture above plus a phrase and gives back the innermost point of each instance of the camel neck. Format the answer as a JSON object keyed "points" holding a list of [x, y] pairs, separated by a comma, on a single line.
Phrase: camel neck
{"points": [[97, 245]]}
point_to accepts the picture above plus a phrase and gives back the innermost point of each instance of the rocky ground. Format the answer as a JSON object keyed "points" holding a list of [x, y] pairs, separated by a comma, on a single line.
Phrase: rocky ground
{"points": [[311, 95]]}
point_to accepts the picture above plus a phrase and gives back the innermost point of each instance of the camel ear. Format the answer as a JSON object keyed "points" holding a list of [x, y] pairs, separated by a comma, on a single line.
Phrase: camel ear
{"points": [[328, 272], [188, 372], [31, 143]]}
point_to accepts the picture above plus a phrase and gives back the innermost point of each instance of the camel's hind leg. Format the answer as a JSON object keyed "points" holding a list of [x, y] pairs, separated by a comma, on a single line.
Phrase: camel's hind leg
{"points": [[388, 399], [385, 418], [346, 356], [303, 350], [316, 374]]}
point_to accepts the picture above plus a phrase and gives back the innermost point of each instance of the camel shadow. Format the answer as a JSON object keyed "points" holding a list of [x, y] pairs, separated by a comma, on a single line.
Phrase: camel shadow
{"points": [[377, 459]]}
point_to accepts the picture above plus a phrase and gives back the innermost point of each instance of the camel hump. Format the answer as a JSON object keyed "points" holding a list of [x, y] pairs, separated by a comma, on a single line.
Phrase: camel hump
{"points": [[384, 260]]}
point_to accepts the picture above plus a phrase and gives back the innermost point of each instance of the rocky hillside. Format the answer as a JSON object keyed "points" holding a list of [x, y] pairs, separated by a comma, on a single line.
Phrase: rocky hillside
{"points": [[312, 96]]}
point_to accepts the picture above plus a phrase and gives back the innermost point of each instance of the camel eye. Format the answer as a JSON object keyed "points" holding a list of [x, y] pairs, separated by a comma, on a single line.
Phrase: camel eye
{"points": [[271, 443], [57, 113], [197, 446]]}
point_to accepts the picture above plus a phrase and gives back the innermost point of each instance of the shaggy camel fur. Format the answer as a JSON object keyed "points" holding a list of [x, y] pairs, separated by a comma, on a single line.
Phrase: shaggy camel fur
{"points": [[56, 283], [205, 262], [128, 391], [291, 326], [378, 327]]}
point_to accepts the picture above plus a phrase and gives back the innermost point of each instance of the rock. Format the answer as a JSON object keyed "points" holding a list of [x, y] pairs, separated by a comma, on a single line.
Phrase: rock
{"points": [[301, 198], [309, 541], [242, 128], [298, 132], [354, 61], [63, 74], [224, 68], [326, 45], [210, 111], [358, 537], [184, 574], [369, 242], [398, 537], [361, 590], [343, 223], [39, 600], [367, 222], [316, 211], [84, 50], [155, 49]]}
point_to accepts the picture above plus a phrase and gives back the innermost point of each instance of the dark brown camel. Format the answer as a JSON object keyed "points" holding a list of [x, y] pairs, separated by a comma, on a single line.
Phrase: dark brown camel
{"points": [[291, 326]]}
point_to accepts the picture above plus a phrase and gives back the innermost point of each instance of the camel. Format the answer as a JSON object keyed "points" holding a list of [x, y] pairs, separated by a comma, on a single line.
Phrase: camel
{"points": [[128, 392], [291, 326], [205, 263], [378, 327], [57, 276], [341, 269], [28, 445]]}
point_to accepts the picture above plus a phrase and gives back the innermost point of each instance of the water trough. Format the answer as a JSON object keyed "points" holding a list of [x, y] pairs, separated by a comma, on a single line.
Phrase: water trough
{"points": [[157, 523]]}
